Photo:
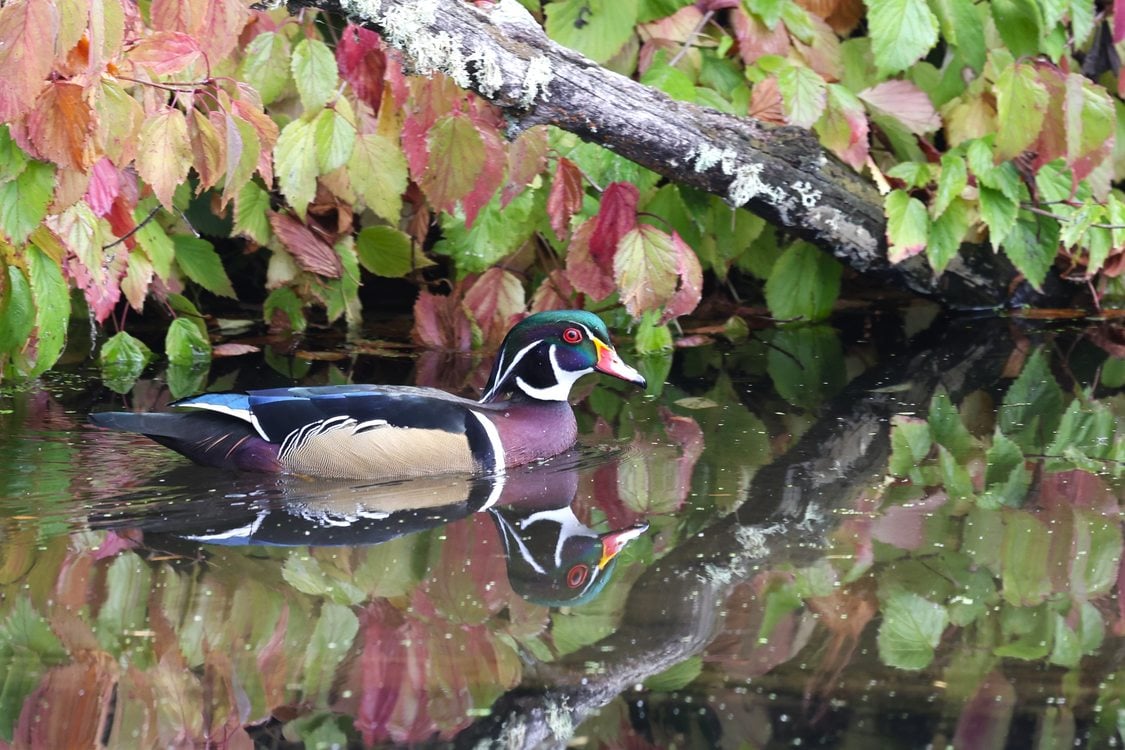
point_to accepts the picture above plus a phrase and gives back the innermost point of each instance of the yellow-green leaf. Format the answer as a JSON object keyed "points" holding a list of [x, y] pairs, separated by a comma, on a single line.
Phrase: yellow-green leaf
{"points": [[315, 73], [295, 164], [164, 153]]}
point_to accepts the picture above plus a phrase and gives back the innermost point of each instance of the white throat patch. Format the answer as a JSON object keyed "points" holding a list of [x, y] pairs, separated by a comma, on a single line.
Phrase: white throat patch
{"points": [[564, 380]]}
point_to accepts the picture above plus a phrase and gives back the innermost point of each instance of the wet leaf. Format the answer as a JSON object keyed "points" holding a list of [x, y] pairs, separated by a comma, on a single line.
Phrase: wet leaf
{"points": [[676, 677], [125, 607], [184, 345], [1026, 581], [806, 365], [304, 573], [947, 428], [1096, 554], [123, 358], [911, 628], [1032, 406], [910, 444], [331, 639], [1007, 478]]}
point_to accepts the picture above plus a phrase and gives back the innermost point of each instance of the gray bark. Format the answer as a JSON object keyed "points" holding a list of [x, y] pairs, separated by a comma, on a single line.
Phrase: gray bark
{"points": [[779, 173]]}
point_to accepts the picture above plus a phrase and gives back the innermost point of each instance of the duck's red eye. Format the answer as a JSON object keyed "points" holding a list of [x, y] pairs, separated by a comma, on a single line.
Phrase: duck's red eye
{"points": [[572, 335], [576, 576]]}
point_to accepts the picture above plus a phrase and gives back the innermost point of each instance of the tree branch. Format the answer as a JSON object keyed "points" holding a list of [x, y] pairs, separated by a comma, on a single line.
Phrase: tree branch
{"points": [[780, 173]]}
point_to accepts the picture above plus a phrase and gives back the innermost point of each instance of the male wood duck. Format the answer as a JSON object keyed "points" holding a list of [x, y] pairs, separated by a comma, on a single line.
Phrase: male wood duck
{"points": [[394, 432]]}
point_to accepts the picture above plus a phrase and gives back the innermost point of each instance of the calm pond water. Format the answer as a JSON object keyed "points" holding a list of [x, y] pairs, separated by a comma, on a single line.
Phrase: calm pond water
{"points": [[886, 534]]}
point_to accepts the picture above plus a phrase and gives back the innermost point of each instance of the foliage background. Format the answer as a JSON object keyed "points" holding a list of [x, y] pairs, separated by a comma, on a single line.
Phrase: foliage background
{"points": [[149, 151]]}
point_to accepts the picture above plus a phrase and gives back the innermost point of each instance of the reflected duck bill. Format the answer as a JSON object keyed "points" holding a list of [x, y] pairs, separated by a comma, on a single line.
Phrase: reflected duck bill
{"points": [[614, 541]]}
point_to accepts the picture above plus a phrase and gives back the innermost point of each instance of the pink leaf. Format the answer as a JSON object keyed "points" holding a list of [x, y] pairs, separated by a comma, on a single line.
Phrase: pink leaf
{"points": [[490, 176], [233, 350], [616, 216], [565, 198], [905, 102], [360, 58], [755, 39], [554, 293], [166, 52], [1118, 20], [311, 253], [103, 187], [440, 322], [27, 41]]}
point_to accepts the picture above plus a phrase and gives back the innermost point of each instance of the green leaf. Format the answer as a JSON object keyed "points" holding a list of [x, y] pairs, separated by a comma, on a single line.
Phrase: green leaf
{"points": [[596, 28], [186, 380], [197, 258], [803, 94], [496, 233], [123, 359], [947, 233], [295, 162], [806, 364], [314, 71], [910, 444], [1032, 246], [947, 428], [51, 293], [386, 251], [303, 572], [266, 65], [1026, 581], [1021, 105], [953, 180], [911, 628], [671, 80], [902, 31], [1033, 405], [676, 677], [154, 241], [124, 608], [651, 337], [329, 644], [961, 26], [24, 199], [908, 225], [184, 345], [1006, 478], [335, 139], [998, 212], [954, 476], [17, 312], [645, 268], [803, 283], [378, 172], [182, 307], [251, 217], [1020, 23], [284, 302], [1096, 555]]}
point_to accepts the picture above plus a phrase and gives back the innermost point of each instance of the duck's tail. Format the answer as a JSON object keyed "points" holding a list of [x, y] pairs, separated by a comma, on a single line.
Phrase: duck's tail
{"points": [[210, 438]]}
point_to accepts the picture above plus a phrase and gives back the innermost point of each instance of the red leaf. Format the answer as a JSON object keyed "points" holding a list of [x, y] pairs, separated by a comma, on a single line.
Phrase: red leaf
{"points": [[121, 221], [360, 58], [617, 215], [310, 252], [27, 42], [554, 293], [103, 188], [565, 197], [457, 155], [765, 102], [490, 176], [1118, 20], [587, 276], [220, 26], [382, 666], [690, 287], [61, 125], [496, 302], [527, 157], [267, 131], [166, 52], [439, 322]]}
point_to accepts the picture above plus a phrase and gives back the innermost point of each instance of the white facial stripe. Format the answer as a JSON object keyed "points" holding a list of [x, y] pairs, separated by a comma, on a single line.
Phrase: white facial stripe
{"points": [[569, 526], [499, 460], [508, 370], [564, 380]]}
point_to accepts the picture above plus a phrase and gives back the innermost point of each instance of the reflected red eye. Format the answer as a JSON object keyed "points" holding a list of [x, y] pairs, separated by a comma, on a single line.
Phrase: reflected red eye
{"points": [[576, 576], [572, 335]]}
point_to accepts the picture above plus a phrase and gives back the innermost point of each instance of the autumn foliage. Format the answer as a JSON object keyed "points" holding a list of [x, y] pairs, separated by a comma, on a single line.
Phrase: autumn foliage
{"points": [[308, 147]]}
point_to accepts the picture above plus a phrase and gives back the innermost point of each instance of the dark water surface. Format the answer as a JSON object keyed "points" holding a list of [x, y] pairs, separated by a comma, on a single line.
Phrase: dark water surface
{"points": [[865, 536]]}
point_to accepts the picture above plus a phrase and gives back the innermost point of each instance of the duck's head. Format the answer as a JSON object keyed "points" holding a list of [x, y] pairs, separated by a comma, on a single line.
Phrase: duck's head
{"points": [[545, 353]]}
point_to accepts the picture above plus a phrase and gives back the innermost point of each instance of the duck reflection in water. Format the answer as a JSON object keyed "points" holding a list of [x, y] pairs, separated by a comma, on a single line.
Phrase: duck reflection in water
{"points": [[552, 557]]}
